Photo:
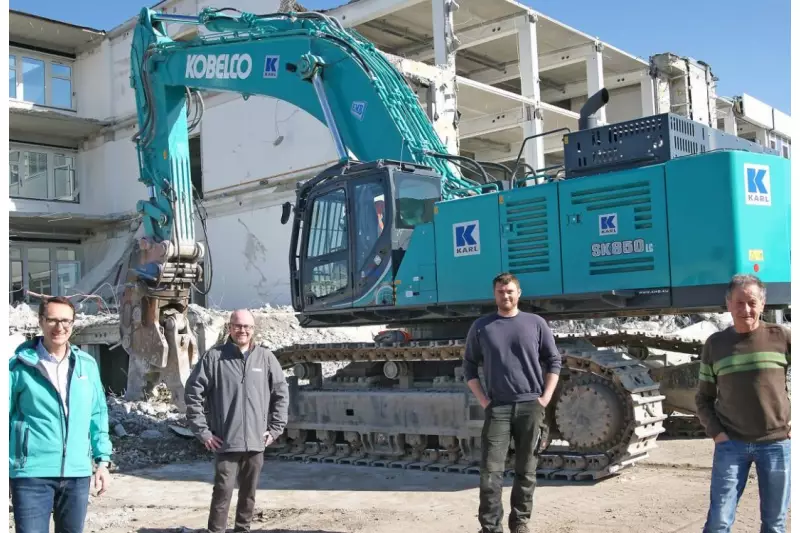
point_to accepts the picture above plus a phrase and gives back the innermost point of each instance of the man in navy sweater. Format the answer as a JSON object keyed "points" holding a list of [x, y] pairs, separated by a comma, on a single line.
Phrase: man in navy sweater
{"points": [[521, 365]]}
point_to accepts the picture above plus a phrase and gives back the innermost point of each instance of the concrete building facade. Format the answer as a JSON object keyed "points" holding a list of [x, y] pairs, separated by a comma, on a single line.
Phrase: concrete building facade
{"points": [[488, 74]]}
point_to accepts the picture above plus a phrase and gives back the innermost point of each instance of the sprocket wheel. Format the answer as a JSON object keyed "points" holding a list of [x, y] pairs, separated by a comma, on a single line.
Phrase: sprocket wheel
{"points": [[590, 414]]}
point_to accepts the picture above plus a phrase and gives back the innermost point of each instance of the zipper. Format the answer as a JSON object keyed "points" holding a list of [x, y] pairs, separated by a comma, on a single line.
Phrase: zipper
{"points": [[63, 419], [244, 399]]}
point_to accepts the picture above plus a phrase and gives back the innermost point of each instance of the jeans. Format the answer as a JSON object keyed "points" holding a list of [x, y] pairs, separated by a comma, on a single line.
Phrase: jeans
{"points": [[522, 422], [732, 460], [244, 467], [35, 499]]}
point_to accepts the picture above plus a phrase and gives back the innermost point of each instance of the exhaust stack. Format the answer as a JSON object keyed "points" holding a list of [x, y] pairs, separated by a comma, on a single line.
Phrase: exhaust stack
{"points": [[587, 118]]}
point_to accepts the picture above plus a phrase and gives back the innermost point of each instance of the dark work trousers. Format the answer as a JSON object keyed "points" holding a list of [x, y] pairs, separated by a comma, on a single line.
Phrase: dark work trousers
{"points": [[244, 467], [521, 421]]}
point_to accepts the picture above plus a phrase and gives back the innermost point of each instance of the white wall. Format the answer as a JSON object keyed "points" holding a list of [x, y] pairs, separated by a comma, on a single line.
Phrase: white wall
{"points": [[250, 254], [238, 141], [109, 176], [93, 83]]}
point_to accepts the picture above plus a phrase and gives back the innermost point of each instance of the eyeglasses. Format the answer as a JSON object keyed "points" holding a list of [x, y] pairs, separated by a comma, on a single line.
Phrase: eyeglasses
{"points": [[242, 327], [64, 322]]}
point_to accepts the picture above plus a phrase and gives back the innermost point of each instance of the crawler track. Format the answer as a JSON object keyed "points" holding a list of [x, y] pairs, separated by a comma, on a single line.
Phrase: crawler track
{"points": [[607, 407]]}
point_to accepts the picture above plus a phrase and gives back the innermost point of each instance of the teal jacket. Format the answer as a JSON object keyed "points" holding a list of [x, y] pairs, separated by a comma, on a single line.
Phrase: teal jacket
{"points": [[43, 442]]}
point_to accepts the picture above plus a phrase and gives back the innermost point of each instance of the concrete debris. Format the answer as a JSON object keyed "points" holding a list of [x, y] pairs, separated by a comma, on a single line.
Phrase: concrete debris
{"points": [[142, 433]]}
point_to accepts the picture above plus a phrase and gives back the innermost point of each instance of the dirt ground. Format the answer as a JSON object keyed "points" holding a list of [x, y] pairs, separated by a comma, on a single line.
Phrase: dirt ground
{"points": [[667, 494]]}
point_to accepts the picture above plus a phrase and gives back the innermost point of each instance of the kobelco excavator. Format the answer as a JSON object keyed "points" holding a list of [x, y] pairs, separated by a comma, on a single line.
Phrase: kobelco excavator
{"points": [[647, 217]]}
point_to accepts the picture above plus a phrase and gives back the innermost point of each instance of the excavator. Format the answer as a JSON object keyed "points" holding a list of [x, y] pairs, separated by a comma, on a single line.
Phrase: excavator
{"points": [[651, 216]]}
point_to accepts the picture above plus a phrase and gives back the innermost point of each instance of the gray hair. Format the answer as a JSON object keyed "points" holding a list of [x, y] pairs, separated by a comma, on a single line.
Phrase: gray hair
{"points": [[743, 280]]}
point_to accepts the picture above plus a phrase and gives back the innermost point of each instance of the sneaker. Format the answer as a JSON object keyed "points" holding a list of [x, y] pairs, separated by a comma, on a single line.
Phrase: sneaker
{"points": [[520, 528]]}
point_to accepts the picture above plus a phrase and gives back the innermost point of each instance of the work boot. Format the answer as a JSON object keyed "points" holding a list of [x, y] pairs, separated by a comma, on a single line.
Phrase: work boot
{"points": [[520, 528]]}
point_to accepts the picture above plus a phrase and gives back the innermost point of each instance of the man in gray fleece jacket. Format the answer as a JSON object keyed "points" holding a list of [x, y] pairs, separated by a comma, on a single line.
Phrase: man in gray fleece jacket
{"points": [[237, 402]]}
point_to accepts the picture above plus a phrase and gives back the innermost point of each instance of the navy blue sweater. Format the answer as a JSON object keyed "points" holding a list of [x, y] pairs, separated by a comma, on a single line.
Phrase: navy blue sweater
{"points": [[516, 352]]}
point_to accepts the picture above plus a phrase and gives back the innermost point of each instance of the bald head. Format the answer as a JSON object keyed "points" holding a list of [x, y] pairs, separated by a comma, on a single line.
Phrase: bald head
{"points": [[241, 327], [243, 316]]}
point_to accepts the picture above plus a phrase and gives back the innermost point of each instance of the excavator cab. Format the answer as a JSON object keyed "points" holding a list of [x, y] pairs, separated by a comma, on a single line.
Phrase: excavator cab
{"points": [[351, 226]]}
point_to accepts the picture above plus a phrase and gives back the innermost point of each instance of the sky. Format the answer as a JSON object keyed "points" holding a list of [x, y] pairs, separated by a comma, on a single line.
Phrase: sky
{"points": [[714, 31]]}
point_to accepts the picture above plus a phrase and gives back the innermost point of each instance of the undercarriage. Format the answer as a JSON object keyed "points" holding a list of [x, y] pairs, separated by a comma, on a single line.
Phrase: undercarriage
{"points": [[406, 405]]}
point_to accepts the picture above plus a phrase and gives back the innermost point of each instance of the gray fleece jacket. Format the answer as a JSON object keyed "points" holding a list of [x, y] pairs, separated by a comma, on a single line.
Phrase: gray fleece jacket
{"points": [[237, 399]]}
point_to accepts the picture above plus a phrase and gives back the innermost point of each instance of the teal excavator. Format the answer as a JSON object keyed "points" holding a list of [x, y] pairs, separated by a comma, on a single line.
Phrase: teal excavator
{"points": [[650, 216]]}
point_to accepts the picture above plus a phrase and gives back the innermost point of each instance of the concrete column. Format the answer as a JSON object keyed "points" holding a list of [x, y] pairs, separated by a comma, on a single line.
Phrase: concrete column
{"points": [[595, 79], [648, 97], [529, 78], [445, 110]]}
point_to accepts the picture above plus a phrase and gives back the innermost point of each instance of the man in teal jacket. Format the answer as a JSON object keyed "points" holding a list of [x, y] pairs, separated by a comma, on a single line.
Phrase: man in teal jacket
{"points": [[58, 426]]}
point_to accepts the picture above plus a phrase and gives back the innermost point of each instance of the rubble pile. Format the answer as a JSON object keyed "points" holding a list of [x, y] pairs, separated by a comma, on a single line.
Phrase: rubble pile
{"points": [[24, 320], [149, 433]]}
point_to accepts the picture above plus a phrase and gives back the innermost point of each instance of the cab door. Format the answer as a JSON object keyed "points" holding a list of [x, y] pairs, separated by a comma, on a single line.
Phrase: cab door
{"points": [[326, 273]]}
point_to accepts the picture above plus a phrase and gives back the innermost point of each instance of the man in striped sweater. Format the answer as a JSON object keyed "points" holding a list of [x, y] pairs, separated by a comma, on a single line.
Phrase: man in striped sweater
{"points": [[743, 403]]}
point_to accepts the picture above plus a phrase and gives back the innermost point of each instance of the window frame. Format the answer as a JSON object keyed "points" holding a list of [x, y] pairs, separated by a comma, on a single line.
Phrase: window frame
{"points": [[20, 54], [52, 153], [52, 247]]}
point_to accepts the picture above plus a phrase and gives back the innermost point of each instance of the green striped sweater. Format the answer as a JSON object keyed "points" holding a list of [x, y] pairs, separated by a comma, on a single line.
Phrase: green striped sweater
{"points": [[742, 388]]}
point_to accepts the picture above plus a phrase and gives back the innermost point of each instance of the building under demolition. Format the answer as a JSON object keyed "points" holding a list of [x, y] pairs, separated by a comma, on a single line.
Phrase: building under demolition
{"points": [[488, 75]]}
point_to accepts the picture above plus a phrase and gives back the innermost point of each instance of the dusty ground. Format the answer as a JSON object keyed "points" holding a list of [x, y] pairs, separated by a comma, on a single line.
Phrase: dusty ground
{"points": [[668, 494]]}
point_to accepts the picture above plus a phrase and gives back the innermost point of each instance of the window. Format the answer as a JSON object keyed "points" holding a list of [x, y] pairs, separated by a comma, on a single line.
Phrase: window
{"points": [[33, 80], [40, 79], [61, 89], [12, 77], [369, 222], [52, 270], [328, 236], [41, 174], [414, 199], [785, 151], [328, 233]]}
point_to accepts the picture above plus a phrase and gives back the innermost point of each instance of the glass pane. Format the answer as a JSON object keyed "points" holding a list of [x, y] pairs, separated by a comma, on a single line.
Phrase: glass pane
{"points": [[63, 183], [38, 254], [68, 275], [328, 278], [37, 164], [12, 80], [39, 278], [328, 232], [369, 222], [33, 80], [64, 254], [61, 71], [13, 167], [14, 253], [12, 61], [61, 95], [16, 282], [414, 198]]}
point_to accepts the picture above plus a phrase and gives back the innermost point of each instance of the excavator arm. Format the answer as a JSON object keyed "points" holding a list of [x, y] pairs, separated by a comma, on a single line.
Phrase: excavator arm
{"points": [[306, 59]]}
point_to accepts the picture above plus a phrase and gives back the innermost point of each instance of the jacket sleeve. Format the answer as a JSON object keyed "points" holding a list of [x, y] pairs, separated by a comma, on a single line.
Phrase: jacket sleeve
{"points": [[549, 356], [473, 356], [98, 425], [279, 398], [196, 388], [707, 394]]}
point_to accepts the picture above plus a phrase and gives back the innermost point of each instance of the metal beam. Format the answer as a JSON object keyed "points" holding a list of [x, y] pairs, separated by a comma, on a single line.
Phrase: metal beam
{"points": [[356, 13], [580, 88], [469, 37]]}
